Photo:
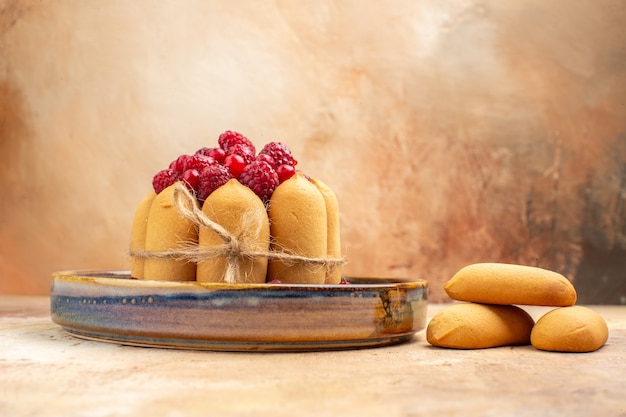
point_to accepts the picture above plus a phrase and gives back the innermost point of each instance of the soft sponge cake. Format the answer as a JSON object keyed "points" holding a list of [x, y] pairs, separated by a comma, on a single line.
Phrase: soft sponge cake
{"points": [[298, 226]]}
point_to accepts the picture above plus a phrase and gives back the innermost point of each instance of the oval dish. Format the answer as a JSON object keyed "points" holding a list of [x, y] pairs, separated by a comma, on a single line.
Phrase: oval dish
{"points": [[111, 306]]}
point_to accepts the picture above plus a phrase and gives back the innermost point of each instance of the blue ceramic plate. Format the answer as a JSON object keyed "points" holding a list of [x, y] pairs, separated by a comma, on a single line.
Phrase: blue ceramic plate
{"points": [[110, 306]]}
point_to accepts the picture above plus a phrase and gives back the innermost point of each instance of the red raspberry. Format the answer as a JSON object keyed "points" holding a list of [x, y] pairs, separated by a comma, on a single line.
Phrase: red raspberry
{"points": [[199, 162], [204, 151], [265, 157], [213, 177], [242, 150], [230, 138], [280, 153], [164, 179], [261, 178]]}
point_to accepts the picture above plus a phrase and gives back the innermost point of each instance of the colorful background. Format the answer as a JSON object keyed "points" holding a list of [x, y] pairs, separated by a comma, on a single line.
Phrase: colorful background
{"points": [[452, 132]]}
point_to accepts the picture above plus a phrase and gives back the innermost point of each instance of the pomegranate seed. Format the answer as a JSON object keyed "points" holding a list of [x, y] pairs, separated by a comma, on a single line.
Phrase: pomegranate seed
{"points": [[235, 164], [180, 163], [191, 177], [285, 172], [218, 154]]}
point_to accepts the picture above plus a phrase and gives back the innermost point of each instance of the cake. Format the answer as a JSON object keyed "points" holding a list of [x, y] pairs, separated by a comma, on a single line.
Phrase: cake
{"points": [[230, 214]]}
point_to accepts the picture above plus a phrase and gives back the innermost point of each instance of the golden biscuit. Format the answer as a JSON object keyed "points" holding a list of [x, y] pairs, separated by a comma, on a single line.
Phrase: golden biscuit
{"points": [[299, 226], [478, 326], [138, 234], [168, 230], [570, 329], [236, 208], [333, 274], [497, 283]]}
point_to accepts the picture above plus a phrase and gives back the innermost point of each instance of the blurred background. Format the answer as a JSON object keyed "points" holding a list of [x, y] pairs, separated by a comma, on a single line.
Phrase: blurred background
{"points": [[452, 132]]}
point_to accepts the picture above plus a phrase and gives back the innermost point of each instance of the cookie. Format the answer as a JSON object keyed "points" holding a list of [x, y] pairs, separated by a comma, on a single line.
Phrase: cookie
{"points": [[478, 326], [237, 209], [138, 234], [333, 274], [498, 283], [299, 226], [570, 329], [167, 230]]}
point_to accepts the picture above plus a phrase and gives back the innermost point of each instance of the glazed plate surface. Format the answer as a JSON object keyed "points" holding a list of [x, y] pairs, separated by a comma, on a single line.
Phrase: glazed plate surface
{"points": [[110, 306]]}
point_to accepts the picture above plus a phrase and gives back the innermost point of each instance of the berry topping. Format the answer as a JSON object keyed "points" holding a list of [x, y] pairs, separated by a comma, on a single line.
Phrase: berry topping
{"points": [[216, 153], [180, 163], [285, 172], [198, 162], [265, 157], [191, 177], [242, 150], [235, 164], [203, 151], [234, 157], [280, 153], [230, 138], [213, 177], [164, 179], [261, 178]]}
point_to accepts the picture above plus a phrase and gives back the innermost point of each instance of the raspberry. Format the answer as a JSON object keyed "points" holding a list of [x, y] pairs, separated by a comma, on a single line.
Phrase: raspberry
{"points": [[213, 177], [164, 179], [216, 153], [261, 178], [265, 157], [280, 153], [199, 162], [230, 138], [285, 172], [242, 150], [204, 151]]}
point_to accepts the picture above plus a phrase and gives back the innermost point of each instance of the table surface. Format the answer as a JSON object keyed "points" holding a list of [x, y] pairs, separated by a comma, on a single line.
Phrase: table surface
{"points": [[44, 371]]}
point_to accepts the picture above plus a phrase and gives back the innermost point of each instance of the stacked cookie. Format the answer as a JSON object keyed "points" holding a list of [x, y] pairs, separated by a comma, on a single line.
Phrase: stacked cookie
{"points": [[490, 316]]}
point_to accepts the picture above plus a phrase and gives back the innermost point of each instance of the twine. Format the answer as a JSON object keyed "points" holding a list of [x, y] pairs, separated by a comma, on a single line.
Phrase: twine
{"points": [[234, 248]]}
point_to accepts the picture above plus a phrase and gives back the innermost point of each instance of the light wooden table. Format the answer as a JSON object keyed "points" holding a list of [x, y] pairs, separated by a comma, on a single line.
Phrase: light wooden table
{"points": [[45, 372]]}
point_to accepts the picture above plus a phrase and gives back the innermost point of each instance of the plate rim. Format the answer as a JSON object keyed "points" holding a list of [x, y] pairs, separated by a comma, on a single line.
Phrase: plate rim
{"points": [[122, 278]]}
